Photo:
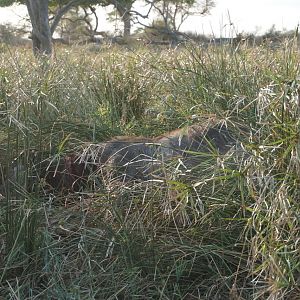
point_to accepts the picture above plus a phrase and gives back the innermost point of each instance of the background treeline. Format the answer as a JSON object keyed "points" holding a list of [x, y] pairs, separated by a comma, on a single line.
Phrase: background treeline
{"points": [[76, 32]]}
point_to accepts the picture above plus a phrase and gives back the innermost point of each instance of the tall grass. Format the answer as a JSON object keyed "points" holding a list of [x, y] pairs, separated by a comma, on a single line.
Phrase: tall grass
{"points": [[228, 230]]}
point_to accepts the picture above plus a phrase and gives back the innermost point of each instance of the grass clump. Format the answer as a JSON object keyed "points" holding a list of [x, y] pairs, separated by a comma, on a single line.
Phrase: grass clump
{"points": [[227, 230]]}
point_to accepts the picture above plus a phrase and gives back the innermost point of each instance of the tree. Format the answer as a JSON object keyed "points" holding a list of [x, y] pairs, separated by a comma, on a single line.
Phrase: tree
{"points": [[124, 11], [124, 8], [79, 24], [173, 13], [41, 33], [72, 26], [38, 11]]}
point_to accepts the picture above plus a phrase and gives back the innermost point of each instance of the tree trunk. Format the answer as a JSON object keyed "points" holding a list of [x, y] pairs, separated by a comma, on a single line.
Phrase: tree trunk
{"points": [[41, 34], [124, 13], [126, 18]]}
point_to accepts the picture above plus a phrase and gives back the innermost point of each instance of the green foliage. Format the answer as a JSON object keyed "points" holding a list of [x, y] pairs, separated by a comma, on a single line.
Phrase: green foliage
{"points": [[7, 2], [228, 230]]}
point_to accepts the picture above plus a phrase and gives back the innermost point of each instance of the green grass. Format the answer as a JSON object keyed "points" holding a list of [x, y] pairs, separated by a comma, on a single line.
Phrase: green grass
{"points": [[229, 230]]}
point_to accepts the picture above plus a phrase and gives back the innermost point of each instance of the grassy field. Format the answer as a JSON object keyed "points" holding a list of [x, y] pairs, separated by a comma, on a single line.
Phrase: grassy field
{"points": [[231, 230]]}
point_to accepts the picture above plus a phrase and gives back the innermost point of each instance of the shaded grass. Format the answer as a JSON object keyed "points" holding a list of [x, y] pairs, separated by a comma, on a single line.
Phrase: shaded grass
{"points": [[229, 230]]}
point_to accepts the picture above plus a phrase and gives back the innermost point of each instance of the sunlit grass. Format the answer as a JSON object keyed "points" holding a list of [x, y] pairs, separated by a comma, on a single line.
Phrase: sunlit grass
{"points": [[228, 230]]}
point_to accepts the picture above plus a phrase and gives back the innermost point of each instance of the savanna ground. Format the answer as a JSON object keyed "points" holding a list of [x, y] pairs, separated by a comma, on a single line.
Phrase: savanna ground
{"points": [[230, 229]]}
